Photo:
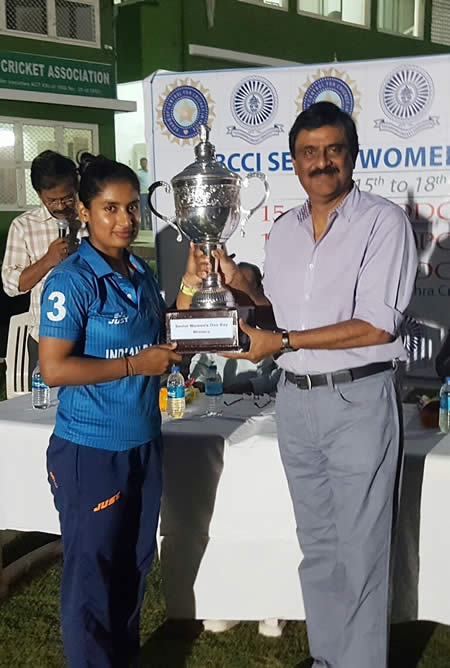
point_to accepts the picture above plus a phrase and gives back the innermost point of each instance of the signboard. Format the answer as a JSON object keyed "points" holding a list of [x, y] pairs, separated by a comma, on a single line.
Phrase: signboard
{"points": [[25, 71], [400, 107]]}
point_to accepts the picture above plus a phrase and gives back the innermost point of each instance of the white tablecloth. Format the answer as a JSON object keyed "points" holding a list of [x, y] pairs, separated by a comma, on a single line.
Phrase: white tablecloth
{"points": [[228, 542]]}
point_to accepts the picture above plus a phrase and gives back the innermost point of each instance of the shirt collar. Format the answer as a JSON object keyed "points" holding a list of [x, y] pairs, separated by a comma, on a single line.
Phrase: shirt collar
{"points": [[136, 263], [98, 263], [44, 214], [344, 208]]}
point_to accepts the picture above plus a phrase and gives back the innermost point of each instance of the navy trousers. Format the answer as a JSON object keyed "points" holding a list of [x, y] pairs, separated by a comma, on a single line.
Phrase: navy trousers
{"points": [[108, 504]]}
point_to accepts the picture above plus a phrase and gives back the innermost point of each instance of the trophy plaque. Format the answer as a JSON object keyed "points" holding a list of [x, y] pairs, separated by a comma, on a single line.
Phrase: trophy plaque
{"points": [[207, 211]]}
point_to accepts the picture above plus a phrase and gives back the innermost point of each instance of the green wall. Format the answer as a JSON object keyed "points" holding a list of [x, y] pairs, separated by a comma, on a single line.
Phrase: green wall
{"points": [[156, 35], [150, 37]]}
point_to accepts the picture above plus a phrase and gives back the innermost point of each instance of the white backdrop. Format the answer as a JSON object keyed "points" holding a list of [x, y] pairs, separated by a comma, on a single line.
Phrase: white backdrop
{"points": [[401, 108]]}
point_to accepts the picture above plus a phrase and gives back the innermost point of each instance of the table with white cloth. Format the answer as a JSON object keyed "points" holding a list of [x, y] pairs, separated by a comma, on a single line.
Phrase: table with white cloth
{"points": [[228, 544]]}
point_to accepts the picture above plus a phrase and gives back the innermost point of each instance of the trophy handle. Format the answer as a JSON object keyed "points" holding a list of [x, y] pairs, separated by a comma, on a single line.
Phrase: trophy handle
{"points": [[247, 213], [169, 221]]}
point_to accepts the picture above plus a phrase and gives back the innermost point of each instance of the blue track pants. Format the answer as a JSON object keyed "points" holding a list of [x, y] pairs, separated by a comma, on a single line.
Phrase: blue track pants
{"points": [[108, 504]]}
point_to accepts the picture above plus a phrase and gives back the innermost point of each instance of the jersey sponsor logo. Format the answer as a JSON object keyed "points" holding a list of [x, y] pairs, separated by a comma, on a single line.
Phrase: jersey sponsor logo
{"points": [[59, 310], [406, 96], [118, 319], [254, 103], [115, 353], [105, 504], [330, 85], [183, 106]]}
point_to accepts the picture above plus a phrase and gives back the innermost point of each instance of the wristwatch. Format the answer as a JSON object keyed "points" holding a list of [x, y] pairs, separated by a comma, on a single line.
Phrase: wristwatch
{"points": [[285, 345]]}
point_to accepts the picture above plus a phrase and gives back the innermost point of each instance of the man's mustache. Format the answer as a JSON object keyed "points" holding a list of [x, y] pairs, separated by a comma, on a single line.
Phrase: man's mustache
{"points": [[63, 212], [327, 170]]}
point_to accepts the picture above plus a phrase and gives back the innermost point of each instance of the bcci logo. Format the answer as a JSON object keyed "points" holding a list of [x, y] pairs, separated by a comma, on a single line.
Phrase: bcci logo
{"points": [[405, 97], [254, 103], [182, 108], [330, 85]]}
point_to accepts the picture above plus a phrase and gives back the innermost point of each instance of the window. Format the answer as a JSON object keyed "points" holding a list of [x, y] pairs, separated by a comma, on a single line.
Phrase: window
{"points": [[440, 22], [21, 140], [70, 21], [402, 17], [277, 4], [345, 11]]}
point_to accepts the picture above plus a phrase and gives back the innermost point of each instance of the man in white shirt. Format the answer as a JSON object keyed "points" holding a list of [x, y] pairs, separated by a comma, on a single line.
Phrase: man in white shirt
{"points": [[35, 245]]}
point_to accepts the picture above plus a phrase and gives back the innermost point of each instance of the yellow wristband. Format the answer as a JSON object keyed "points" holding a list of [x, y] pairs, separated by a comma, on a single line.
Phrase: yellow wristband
{"points": [[186, 290]]}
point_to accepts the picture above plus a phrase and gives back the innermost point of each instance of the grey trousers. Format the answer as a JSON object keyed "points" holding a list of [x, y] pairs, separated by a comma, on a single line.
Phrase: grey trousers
{"points": [[340, 448]]}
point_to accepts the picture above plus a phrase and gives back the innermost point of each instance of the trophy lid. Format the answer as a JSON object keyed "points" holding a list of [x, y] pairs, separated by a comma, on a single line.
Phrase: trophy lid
{"points": [[206, 167]]}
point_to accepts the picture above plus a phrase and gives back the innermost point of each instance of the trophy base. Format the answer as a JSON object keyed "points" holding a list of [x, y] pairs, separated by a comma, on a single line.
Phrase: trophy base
{"points": [[205, 331]]}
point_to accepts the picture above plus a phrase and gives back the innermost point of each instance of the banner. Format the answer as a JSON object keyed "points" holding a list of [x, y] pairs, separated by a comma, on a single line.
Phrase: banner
{"points": [[400, 107], [26, 71]]}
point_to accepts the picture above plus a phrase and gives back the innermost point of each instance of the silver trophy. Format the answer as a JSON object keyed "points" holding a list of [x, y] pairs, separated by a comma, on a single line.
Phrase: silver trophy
{"points": [[208, 210]]}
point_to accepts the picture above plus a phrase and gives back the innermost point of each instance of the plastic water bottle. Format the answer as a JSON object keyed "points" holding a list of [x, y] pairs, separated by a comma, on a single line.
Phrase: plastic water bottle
{"points": [[176, 393], [444, 407], [40, 391], [213, 391]]}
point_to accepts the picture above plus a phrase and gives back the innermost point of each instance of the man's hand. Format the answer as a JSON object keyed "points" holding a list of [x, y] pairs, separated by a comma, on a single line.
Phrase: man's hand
{"points": [[57, 252], [197, 267], [155, 360], [262, 344]]}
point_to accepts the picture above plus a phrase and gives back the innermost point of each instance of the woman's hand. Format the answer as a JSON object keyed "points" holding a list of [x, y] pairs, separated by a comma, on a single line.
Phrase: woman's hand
{"points": [[155, 360], [227, 266], [197, 267]]}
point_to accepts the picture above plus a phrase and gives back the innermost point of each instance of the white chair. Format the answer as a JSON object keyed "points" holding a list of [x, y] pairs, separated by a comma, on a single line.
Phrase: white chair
{"points": [[17, 356]]}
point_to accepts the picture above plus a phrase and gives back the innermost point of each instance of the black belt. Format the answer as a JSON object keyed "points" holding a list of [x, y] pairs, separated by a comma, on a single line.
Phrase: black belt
{"points": [[307, 382]]}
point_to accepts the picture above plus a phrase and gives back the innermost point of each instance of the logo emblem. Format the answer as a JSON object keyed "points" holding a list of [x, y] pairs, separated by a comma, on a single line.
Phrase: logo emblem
{"points": [[406, 95], [254, 103], [183, 106], [118, 319], [105, 504], [330, 85]]}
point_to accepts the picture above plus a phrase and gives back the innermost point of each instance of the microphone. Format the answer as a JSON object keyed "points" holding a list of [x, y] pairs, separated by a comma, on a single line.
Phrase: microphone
{"points": [[62, 228]]}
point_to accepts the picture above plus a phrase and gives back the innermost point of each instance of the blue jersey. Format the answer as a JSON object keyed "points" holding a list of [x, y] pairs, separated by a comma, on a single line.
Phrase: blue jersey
{"points": [[107, 316]]}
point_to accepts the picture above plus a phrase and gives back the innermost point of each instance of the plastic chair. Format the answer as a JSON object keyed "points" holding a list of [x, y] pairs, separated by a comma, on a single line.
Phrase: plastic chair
{"points": [[17, 356], [423, 340]]}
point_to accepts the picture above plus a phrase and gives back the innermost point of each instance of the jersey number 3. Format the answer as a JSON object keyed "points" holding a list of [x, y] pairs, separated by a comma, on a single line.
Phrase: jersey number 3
{"points": [[59, 310]]}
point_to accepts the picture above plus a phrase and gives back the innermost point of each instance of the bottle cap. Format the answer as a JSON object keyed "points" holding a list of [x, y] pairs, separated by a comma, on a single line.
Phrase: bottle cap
{"points": [[175, 368], [447, 379]]}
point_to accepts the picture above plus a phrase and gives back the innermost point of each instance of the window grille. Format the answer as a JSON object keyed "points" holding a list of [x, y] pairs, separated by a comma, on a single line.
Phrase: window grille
{"points": [[27, 16], [70, 21], [440, 22], [21, 140], [344, 11], [8, 182], [75, 20]]}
